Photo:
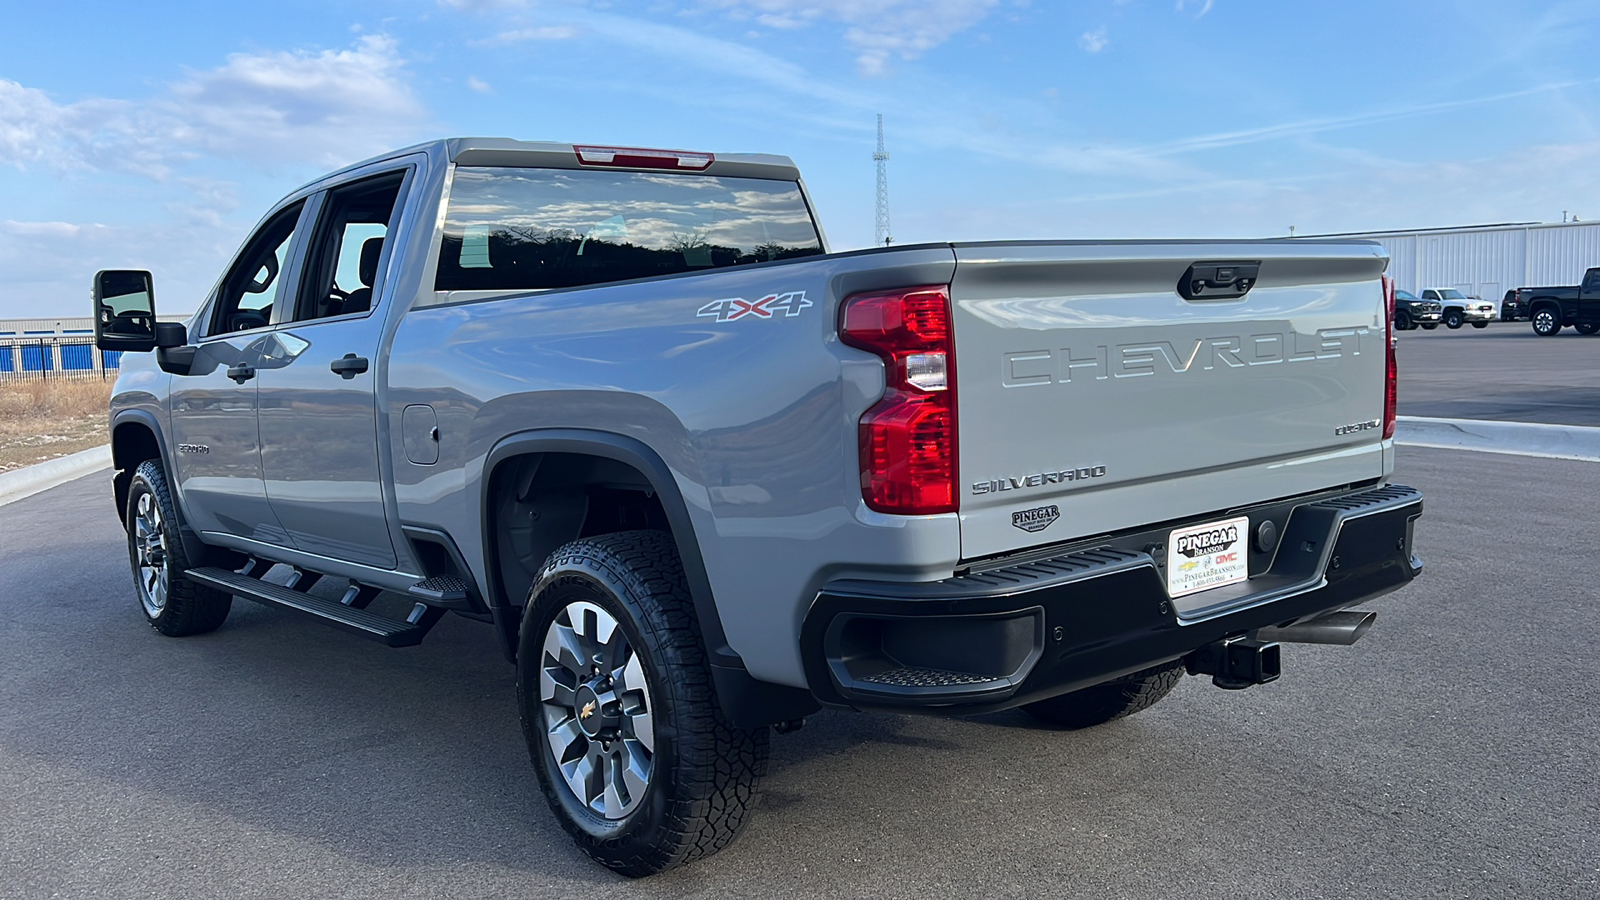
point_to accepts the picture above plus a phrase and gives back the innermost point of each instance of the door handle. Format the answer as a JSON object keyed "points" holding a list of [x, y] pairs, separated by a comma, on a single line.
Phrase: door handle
{"points": [[349, 366], [241, 372]]}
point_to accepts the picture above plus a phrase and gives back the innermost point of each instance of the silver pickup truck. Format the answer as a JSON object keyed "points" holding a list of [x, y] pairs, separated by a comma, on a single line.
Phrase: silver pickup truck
{"points": [[703, 477]]}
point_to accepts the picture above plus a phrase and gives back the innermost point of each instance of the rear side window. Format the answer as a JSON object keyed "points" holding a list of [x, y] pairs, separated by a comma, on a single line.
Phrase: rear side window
{"points": [[527, 229]]}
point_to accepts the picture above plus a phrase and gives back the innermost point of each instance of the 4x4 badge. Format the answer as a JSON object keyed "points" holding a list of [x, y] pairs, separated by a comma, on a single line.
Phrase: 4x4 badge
{"points": [[727, 310], [1037, 519]]}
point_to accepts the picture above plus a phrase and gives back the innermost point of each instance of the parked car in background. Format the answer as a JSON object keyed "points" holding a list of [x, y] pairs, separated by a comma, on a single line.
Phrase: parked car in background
{"points": [[1513, 307], [1459, 309], [1409, 312], [1550, 308]]}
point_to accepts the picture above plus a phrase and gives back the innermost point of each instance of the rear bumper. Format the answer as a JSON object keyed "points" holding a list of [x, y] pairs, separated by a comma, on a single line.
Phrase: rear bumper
{"points": [[1002, 637]]}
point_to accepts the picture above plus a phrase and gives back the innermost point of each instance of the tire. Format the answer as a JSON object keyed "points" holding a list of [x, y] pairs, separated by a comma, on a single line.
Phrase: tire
{"points": [[1480, 324], [1112, 700], [1587, 327], [669, 779], [1429, 326], [1402, 321], [172, 604], [1546, 322], [1453, 319]]}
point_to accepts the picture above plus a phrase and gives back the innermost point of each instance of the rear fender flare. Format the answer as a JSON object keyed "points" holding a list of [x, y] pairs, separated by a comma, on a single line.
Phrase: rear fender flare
{"points": [[641, 457]]}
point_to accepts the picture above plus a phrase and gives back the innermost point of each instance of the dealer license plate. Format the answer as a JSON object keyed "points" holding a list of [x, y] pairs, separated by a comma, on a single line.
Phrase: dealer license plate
{"points": [[1202, 557]]}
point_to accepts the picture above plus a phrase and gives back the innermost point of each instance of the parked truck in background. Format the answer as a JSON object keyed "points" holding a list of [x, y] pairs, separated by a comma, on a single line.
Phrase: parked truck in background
{"points": [[1459, 309], [1552, 308], [702, 477]]}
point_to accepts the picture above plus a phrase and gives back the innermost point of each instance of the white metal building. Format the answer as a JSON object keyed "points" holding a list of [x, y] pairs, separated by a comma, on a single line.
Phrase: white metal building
{"points": [[1488, 260]]}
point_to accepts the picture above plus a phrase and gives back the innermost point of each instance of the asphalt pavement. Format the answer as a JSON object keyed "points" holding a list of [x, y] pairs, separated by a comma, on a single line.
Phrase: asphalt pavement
{"points": [[1451, 753], [1503, 372]]}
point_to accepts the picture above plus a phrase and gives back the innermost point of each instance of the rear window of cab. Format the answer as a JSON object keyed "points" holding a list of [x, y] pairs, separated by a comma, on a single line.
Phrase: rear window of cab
{"points": [[531, 229]]}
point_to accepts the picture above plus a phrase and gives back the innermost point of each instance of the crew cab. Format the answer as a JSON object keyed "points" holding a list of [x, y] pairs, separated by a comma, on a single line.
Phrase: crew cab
{"points": [[702, 477], [1459, 309], [1551, 308]]}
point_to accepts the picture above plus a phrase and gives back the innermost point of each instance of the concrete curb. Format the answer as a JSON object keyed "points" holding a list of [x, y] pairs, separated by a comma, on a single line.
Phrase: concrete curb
{"points": [[30, 480], [1516, 438]]}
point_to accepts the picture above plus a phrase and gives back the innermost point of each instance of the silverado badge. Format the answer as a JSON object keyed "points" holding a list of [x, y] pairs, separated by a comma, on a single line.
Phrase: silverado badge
{"points": [[1037, 519]]}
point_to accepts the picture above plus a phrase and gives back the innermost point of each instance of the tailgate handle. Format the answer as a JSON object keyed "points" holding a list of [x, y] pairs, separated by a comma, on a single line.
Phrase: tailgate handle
{"points": [[1218, 280]]}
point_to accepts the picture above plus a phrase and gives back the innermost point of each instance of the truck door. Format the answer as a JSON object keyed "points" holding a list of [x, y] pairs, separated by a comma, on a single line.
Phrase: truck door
{"points": [[319, 428], [1589, 298], [217, 452]]}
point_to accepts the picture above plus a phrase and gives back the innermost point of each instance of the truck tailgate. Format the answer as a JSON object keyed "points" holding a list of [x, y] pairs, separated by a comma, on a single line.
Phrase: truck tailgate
{"points": [[1093, 397]]}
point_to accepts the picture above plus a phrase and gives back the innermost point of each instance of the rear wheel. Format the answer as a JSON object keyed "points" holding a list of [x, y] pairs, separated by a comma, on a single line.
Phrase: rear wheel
{"points": [[1453, 318], [1114, 699], [1429, 326], [632, 750], [172, 604], [1480, 324], [1545, 322], [1587, 327]]}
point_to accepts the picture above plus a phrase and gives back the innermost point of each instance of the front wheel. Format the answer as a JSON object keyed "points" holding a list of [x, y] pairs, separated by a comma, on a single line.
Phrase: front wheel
{"points": [[1545, 322], [632, 750], [1402, 321], [1114, 699], [172, 604], [1429, 326], [1453, 319]]}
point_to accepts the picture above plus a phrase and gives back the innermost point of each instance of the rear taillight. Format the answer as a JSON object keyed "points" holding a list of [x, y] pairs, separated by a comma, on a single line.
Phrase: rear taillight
{"points": [[1390, 378], [908, 439]]}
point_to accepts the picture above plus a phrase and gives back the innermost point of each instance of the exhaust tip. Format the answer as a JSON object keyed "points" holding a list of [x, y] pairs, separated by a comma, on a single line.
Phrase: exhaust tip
{"points": [[1344, 627]]}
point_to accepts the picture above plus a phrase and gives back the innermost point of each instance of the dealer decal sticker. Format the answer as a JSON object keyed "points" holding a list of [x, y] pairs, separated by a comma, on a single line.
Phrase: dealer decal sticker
{"points": [[1206, 556], [729, 309]]}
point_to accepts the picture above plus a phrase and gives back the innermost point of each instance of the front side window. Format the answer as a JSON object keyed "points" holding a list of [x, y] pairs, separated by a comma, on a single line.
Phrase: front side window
{"points": [[529, 229], [1452, 294], [253, 286]]}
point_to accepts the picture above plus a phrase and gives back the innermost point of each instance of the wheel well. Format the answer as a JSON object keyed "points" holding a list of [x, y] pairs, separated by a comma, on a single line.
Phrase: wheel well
{"points": [[131, 444], [539, 501]]}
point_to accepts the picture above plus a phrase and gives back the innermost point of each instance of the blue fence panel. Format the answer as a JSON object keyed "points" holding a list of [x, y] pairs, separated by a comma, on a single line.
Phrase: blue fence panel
{"points": [[112, 358], [6, 362], [77, 358], [37, 359]]}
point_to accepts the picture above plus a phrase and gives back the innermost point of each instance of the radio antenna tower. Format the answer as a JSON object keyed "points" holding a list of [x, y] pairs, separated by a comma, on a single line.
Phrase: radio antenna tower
{"points": [[882, 158]]}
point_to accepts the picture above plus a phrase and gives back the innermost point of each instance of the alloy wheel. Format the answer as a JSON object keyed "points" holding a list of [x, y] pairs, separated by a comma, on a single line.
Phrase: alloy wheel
{"points": [[150, 545], [598, 715]]}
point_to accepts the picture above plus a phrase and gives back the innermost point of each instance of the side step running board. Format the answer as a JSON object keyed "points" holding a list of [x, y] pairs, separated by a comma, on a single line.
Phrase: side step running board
{"points": [[359, 622]]}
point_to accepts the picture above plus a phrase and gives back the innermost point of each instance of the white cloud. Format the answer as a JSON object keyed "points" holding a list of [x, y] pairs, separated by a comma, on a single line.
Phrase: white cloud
{"points": [[331, 107], [538, 33], [878, 31], [1094, 41], [479, 85], [482, 5], [1204, 6]]}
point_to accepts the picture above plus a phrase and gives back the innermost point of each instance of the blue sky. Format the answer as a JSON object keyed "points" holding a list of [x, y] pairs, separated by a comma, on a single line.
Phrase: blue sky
{"points": [[155, 135]]}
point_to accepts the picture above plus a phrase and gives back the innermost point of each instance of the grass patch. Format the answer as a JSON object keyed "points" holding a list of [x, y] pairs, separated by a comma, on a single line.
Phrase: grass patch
{"points": [[43, 418]]}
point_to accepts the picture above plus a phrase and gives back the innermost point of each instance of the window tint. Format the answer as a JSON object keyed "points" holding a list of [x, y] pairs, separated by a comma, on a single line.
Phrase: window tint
{"points": [[342, 266], [523, 229], [251, 290]]}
